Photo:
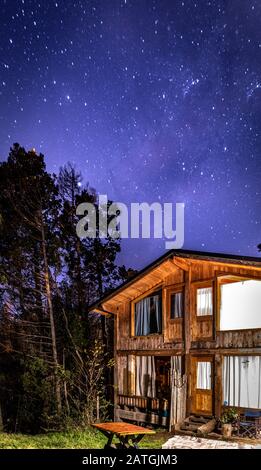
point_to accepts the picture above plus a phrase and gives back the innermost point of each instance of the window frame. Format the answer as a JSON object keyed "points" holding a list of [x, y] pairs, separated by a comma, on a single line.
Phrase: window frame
{"points": [[210, 375], [146, 294], [179, 288], [204, 285]]}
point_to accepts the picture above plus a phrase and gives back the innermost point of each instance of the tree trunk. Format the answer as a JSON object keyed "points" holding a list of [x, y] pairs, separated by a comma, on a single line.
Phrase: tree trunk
{"points": [[51, 316], [65, 388], [1, 420]]}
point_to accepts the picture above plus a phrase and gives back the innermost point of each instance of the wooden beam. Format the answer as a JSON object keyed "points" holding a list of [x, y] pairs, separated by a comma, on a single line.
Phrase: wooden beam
{"points": [[131, 374], [187, 336], [152, 352], [101, 312], [181, 263], [227, 351], [221, 262], [218, 385]]}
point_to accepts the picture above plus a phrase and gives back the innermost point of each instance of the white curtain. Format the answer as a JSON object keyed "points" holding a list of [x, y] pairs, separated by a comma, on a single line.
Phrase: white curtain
{"points": [[204, 301], [177, 305], [178, 392], [148, 316], [142, 317], [242, 381], [204, 375], [145, 376]]}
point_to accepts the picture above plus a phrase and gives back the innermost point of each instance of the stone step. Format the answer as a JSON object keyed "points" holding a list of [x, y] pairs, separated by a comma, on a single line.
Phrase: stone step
{"points": [[199, 419]]}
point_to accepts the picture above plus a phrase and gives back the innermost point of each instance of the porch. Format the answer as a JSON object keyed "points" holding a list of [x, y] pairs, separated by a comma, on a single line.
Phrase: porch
{"points": [[140, 409], [152, 390]]}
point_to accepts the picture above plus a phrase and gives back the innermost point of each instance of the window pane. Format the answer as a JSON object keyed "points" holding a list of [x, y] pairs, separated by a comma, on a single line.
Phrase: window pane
{"points": [[204, 301], [204, 375], [176, 305], [240, 306]]}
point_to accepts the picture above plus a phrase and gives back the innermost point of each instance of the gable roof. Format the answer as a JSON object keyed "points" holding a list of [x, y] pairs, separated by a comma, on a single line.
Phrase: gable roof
{"points": [[166, 261]]}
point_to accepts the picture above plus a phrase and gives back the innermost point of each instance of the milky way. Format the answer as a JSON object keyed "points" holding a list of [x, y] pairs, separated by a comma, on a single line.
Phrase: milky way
{"points": [[153, 101]]}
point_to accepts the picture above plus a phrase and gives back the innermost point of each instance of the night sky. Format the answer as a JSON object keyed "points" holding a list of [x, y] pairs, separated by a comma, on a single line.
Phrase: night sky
{"points": [[153, 100]]}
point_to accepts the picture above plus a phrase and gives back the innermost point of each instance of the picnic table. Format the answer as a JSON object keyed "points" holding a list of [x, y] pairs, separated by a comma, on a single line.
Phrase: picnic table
{"points": [[125, 433]]}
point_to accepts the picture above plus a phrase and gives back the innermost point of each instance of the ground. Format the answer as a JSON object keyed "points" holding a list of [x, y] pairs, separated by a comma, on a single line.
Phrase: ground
{"points": [[77, 439], [193, 442]]}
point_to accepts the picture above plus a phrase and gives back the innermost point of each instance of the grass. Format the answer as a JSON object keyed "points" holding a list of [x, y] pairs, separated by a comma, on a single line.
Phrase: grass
{"points": [[76, 439]]}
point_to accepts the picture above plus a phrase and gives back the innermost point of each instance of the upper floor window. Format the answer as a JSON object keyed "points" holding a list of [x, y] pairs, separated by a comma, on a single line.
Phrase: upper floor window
{"points": [[204, 301], [176, 305], [148, 315], [240, 304]]}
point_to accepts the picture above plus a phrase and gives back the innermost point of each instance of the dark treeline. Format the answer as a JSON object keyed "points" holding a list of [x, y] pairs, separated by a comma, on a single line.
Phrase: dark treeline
{"points": [[55, 358]]}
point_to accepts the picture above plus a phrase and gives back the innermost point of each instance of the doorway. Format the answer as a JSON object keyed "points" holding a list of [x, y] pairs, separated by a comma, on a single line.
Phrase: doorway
{"points": [[202, 378]]}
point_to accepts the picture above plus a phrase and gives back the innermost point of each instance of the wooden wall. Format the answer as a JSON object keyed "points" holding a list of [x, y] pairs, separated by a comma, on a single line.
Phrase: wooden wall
{"points": [[202, 331]]}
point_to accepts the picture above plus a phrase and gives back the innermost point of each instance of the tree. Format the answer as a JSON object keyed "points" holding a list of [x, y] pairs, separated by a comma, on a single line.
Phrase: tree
{"points": [[29, 206], [55, 360]]}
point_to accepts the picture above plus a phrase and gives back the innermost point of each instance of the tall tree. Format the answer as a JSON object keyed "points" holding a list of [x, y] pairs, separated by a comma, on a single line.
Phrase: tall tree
{"points": [[29, 195]]}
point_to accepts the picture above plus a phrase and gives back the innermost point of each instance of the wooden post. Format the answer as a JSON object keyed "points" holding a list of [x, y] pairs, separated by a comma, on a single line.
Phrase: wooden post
{"points": [[187, 336], [131, 374], [115, 367], [218, 385]]}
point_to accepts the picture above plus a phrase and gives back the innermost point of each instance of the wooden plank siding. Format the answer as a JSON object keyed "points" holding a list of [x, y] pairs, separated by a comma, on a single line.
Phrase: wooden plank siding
{"points": [[191, 336]]}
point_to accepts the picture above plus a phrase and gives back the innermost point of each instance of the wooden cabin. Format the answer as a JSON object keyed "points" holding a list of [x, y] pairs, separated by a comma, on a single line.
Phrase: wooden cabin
{"points": [[187, 337]]}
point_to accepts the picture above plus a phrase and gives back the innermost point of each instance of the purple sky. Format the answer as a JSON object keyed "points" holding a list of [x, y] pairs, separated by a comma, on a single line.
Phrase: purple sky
{"points": [[153, 101]]}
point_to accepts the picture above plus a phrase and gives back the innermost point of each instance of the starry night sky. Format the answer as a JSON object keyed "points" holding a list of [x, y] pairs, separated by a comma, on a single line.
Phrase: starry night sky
{"points": [[153, 100]]}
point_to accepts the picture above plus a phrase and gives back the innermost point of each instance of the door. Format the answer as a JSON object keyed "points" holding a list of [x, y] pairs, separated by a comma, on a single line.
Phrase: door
{"points": [[202, 385]]}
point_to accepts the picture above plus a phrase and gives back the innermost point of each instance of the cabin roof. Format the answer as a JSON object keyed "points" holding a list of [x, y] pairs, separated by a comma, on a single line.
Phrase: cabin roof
{"points": [[164, 265]]}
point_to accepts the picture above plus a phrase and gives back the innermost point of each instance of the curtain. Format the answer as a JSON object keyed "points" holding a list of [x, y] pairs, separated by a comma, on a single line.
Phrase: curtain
{"points": [[178, 392], [175, 364], [145, 376], [242, 381], [204, 375], [142, 317], [148, 316], [204, 301], [155, 307], [177, 305]]}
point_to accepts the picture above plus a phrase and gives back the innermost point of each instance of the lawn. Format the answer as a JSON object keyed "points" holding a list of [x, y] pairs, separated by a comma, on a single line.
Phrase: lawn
{"points": [[77, 439]]}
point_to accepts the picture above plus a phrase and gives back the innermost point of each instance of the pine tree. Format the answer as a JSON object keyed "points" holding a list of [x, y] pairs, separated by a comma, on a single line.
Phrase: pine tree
{"points": [[29, 206]]}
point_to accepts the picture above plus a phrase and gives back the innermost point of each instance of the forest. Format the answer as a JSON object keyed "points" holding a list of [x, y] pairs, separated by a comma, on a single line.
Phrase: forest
{"points": [[56, 359]]}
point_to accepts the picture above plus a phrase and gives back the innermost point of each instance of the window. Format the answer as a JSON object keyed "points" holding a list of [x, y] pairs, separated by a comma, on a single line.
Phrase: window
{"points": [[240, 305], [148, 315], [204, 375], [242, 381], [204, 301], [176, 305]]}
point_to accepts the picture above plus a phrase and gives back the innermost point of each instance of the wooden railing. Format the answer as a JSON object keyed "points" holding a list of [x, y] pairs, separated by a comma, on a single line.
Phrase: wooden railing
{"points": [[144, 403]]}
